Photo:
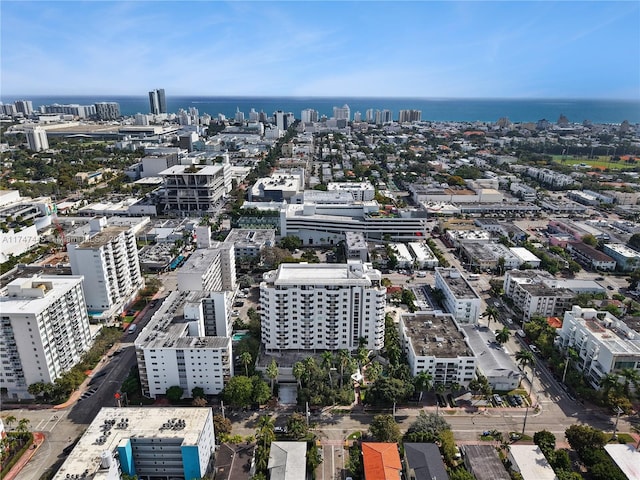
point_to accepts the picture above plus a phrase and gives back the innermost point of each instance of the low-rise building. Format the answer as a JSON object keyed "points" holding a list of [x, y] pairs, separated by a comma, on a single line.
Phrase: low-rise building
{"points": [[403, 256], [525, 256], [483, 462], [534, 293], [530, 463], [423, 461], [626, 258], [489, 256], [591, 257], [363, 191], [162, 442], [287, 461], [381, 461], [435, 344], [424, 257], [356, 246], [249, 243]]}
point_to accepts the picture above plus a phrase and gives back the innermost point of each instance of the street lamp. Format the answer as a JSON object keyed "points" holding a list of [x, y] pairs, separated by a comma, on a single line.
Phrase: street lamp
{"points": [[615, 428]]}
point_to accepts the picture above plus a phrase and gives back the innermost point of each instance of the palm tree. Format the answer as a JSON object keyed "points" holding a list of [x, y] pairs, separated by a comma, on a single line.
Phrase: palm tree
{"points": [[422, 382], [327, 363], [525, 358], [343, 358], [609, 382], [298, 372], [9, 420], [491, 313], [373, 371], [272, 372], [631, 376], [439, 388], [265, 432], [246, 359], [502, 335]]}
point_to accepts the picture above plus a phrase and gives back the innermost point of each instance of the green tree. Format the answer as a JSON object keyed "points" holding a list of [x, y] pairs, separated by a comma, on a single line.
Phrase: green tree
{"points": [[260, 391], [221, 425], [426, 428], [373, 371], [460, 474], [448, 446], [272, 372], [422, 381], [290, 242], [491, 313], [590, 240], [525, 359], [197, 392], [174, 394], [546, 441], [246, 360], [297, 428], [502, 335], [386, 391], [583, 438], [344, 358], [327, 364], [298, 372], [630, 376], [238, 391], [384, 428]]}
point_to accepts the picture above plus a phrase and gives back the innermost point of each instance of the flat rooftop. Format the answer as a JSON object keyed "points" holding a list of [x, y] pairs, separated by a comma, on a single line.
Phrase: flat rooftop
{"points": [[130, 422], [457, 283], [35, 294], [435, 334], [103, 237], [491, 356], [296, 274]]}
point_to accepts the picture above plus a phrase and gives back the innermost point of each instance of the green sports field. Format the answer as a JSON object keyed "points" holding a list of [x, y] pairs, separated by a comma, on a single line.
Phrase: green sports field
{"points": [[601, 162]]}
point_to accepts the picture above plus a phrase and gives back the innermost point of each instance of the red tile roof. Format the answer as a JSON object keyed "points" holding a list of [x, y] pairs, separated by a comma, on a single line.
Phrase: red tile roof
{"points": [[381, 461]]}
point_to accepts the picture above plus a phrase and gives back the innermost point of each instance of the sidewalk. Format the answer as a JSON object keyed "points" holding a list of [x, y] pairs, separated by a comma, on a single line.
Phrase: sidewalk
{"points": [[38, 440]]}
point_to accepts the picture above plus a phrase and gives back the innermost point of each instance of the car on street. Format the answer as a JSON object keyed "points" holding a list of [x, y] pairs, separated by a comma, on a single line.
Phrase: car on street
{"points": [[521, 333], [510, 321], [534, 349]]}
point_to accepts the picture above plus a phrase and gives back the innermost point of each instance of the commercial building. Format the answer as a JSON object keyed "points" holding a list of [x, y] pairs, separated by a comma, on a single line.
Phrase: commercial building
{"points": [[163, 443], [37, 139], [278, 187], [424, 257], [322, 306], [109, 262], [489, 256], [361, 192], [249, 243], [195, 188], [604, 343], [186, 343], [44, 331], [435, 344], [157, 101], [458, 296], [626, 258], [525, 256], [287, 461], [591, 257]]}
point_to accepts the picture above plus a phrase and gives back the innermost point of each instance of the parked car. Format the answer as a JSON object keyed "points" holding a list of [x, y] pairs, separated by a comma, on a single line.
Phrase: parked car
{"points": [[521, 333], [497, 399], [534, 349]]}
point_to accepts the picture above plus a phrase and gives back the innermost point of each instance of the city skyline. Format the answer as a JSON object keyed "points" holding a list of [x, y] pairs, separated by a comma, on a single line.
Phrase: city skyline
{"points": [[378, 49]]}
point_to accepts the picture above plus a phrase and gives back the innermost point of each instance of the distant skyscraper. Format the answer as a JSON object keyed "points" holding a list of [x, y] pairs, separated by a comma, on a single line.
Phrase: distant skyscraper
{"points": [[254, 116], [409, 116], [309, 115], [107, 110], [343, 112], [37, 139], [369, 117], [157, 101], [239, 117], [24, 106], [357, 117], [283, 120]]}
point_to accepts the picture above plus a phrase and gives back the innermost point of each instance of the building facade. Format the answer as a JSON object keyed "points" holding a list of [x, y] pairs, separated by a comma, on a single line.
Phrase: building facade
{"points": [[322, 306], [37, 139], [459, 298], [107, 110], [109, 262], [195, 188], [164, 443], [45, 331], [157, 101]]}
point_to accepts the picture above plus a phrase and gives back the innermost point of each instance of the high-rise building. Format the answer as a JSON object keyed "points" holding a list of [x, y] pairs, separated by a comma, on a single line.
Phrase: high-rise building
{"points": [[110, 265], [157, 101], [24, 106], [107, 110], [44, 330], [460, 298], [369, 116], [322, 306], [283, 119], [309, 115], [343, 112], [357, 117], [163, 442], [37, 139], [409, 116], [8, 109], [211, 269]]}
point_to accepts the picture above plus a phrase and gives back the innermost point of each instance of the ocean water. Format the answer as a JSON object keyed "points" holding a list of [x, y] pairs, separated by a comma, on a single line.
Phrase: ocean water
{"points": [[434, 109]]}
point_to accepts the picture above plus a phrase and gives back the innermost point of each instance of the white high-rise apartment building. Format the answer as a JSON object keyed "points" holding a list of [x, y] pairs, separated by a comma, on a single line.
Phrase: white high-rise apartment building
{"points": [[211, 269], [283, 120], [459, 297], [322, 306], [309, 115], [369, 115], [109, 262], [175, 348], [343, 112], [24, 106], [44, 331], [37, 139]]}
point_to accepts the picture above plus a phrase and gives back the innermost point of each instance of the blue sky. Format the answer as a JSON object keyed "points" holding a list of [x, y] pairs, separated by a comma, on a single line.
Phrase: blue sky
{"points": [[478, 49]]}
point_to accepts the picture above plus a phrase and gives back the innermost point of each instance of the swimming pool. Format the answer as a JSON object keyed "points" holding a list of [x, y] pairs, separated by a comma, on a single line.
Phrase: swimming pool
{"points": [[239, 336]]}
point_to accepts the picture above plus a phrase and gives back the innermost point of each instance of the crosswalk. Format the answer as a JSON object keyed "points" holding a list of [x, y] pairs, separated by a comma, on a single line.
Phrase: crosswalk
{"points": [[47, 424]]}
